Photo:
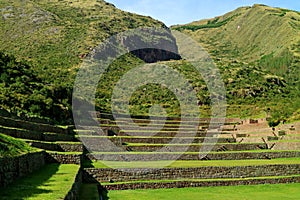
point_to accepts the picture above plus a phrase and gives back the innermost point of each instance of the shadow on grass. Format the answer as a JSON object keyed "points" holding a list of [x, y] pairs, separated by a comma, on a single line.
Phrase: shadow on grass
{"points": [[29, 185]]}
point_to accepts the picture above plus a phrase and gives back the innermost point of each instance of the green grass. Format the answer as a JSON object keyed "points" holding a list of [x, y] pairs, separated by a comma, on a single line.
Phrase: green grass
{"points": [[10, 146], [65, 153], [255, 192], [257, 64], [193, 164], [211, 152], [52, 182], [58, 142]]}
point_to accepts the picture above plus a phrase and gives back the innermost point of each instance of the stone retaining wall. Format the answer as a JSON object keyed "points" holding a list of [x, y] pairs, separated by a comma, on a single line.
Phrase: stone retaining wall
{"points": [[106, 175], [93, 142], [62, 147], [16, 123], [20, 166], [209, 156], [196, 148], [185, 184], [63, 158], [34, 135]]}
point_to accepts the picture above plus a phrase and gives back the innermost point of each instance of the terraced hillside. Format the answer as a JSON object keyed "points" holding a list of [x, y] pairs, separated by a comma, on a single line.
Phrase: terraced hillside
{"points": [[38, 160], [48, 40], [171, 157], [244, 152]]}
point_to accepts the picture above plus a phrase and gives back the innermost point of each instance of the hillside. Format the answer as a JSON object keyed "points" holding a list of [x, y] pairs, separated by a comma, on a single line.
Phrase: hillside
{"points": [[257, 50], [51, 38]]}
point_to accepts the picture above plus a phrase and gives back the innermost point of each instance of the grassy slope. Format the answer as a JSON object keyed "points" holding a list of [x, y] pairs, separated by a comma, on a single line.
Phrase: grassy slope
{"points": [[10, 146], [259, 192], [257, 51], [52, 35], [258, 72]]}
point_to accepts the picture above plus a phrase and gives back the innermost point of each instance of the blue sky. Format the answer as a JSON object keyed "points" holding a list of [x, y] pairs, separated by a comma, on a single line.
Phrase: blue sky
{"points": [[173, 12]]}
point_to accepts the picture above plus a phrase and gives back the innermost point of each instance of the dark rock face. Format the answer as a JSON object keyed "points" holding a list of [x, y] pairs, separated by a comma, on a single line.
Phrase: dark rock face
{"points": [[149, 44], [155, 55], [159, 45]]}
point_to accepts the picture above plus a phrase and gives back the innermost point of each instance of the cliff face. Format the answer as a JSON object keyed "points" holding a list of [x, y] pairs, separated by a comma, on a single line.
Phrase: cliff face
{"points": [[157, 45]]}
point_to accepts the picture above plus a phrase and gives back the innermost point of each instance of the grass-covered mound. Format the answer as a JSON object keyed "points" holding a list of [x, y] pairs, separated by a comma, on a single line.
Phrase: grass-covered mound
{"points": [[10, 146]]}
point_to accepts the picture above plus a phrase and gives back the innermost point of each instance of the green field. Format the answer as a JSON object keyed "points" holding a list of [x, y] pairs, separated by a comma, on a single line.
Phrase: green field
{"points": [[52, 182], [197, 163], [256, 192]]}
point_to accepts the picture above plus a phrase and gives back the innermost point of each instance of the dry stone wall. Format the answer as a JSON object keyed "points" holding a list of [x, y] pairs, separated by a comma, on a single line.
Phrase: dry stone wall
{"points": [[14, 168], [63, 158], [184, 184], [209, 156], [106, 175]]}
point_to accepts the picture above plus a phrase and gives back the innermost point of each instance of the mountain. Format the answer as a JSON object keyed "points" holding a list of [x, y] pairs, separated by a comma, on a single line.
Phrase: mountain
{"points": [[254, 47], [45, 42], [52, 38]]}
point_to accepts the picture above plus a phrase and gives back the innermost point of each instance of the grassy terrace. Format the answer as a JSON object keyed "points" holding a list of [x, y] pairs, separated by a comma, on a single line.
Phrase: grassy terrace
{"points": [[57, 142], [51, 182], [200, 144], [202, 180], [96, 136], [166, 123], [10, 146], [257, 192], [65, 153], [211, 152], [190, 164]]}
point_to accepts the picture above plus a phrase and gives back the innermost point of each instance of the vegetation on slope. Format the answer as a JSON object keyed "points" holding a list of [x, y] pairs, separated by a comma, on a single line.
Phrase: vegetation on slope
{"points": [[23, 92], [10, 146], [54, 37], [257, 51]]}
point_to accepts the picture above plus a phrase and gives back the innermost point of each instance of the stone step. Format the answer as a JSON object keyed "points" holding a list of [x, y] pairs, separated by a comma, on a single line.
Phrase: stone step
{"points": [[196, 147], [105, 175], [63, 158], [157, 156], [187, 122], [34, 135], [38, 127], [112, 143], [57, 146], [201, 183], [163, 133]]}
